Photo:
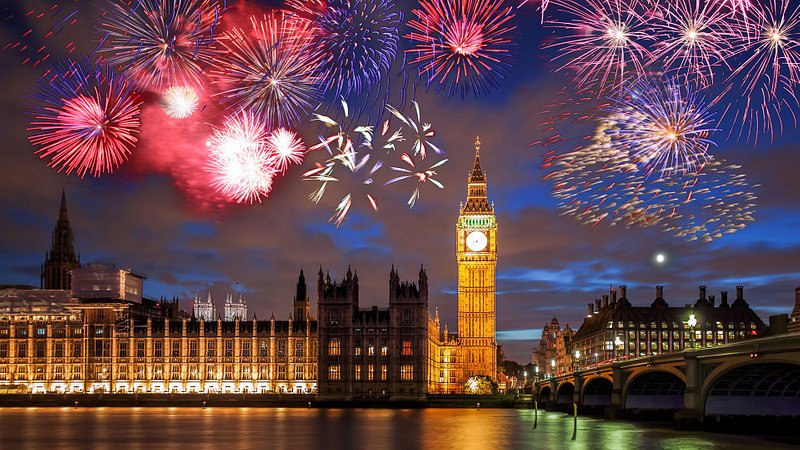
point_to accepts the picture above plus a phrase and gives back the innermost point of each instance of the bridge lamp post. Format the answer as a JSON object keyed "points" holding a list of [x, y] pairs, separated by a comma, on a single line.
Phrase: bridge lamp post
{"points": [[536, 369], [577, 360], [692, 322], [553, 367], [617, 343]]}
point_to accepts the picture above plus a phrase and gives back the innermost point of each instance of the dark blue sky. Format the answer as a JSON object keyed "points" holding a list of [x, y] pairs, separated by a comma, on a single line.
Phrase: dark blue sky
{"points": [[548, 264]]}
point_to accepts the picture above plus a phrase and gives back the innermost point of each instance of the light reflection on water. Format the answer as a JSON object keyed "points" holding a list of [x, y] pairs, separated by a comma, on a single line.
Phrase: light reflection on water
{"points": [[284, 428]]}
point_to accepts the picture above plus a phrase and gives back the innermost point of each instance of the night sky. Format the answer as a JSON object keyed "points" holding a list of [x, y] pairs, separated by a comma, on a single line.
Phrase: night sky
{"points": [[548, 265]]}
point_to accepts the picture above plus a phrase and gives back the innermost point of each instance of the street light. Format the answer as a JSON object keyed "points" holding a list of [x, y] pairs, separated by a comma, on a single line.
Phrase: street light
{"points": [[525, 383], [537, 372], [617, 343], [692, 322], [577, 360], [553, 367]]}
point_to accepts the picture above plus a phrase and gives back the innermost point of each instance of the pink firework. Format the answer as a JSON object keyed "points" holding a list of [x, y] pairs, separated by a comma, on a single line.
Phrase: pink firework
{"points": [[85, 119], [284, 148], [464, 45], [769, 73], [601, 41], [239, 162], [693, 38]]}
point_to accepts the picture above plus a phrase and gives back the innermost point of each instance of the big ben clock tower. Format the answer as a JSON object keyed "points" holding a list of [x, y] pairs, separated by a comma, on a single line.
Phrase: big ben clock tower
{"points": [[476, 253]]}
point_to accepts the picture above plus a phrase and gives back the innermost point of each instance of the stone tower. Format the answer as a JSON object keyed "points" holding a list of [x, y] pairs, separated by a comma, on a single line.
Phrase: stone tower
{"points": [[61, 259], [476, 254], [302, 304]]}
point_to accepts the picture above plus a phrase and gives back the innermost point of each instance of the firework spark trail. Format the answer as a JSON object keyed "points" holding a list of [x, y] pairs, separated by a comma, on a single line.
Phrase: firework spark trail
{"points": [[422, 176], [85, 118], [463, 45], [33, 44], [693, 39], [270, 69], [353, 152], [770, 71], [601, 40], [662, 124], [241, 167], [161, 43], [356, 42], [423, 132]]}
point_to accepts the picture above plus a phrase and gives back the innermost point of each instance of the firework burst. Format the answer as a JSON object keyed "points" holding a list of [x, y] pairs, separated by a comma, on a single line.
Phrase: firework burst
{"points": [[285, 147], [241, 167], [85, 118], [423, 132], [179, 102], [161, 43], [463, 45], [693, 39], [599, 184], [421, 176], [353, 154], [357, 43], [662, 124], [269, 69], [601, 41], [770, 71]]}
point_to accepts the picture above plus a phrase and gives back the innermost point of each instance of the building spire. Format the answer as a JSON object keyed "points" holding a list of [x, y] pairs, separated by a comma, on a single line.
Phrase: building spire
{"points": [[477, 201], [62, 214], [477, 175], [61, 259]]}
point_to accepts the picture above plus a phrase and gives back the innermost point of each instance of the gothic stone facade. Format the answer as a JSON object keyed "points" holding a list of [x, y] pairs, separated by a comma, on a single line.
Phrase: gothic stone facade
{"points": [[372, 352]]}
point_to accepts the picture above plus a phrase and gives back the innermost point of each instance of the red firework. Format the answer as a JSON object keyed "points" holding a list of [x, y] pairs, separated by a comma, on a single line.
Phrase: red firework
{"points": [[85, 119]]}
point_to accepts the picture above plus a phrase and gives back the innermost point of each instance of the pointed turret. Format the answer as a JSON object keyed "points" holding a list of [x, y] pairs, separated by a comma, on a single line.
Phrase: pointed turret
{"points": [[61, 259], [477, 201], [301, 301]]}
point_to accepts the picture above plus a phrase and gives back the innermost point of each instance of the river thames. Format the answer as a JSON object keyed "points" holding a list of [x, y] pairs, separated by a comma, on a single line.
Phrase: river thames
{"points": [[287, 428]]}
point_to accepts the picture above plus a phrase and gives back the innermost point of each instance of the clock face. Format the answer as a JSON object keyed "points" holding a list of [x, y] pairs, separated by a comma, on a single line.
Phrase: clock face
{"points": [[476, 241]]}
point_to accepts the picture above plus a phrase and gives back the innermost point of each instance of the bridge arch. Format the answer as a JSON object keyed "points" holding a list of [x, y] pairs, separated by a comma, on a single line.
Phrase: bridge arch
{"points": [[597, 391], [565, 393], [655, 389], [544, 394], [758, 388]]}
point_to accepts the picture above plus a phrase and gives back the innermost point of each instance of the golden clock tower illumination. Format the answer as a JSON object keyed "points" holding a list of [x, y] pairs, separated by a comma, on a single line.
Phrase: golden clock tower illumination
{"points": [[476, 253]]}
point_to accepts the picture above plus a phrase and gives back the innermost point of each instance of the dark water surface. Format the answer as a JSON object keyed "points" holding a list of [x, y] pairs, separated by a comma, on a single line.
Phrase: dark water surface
{"points": [[285, 428]]}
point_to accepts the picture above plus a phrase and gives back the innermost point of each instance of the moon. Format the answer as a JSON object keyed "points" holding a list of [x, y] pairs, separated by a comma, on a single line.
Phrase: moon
{"points": [[660, 258]]}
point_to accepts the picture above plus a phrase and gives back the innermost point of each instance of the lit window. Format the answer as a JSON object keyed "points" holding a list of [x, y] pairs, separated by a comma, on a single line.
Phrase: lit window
{"points": [[334, 347], [357, 372], [384, 371], [370, 372], [407, 347], [334, 372], [407, 372]]}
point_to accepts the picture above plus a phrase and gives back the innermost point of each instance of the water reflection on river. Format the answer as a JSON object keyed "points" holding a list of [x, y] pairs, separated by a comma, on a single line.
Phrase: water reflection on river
{"points": [[281, 428]]}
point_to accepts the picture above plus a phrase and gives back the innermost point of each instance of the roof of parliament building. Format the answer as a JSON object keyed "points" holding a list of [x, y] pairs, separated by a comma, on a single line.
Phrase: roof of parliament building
{"points": [[659, 312]]}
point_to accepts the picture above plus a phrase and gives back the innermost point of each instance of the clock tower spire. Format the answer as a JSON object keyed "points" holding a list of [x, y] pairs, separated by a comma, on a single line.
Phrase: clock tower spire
{"points": [[476, 254]]}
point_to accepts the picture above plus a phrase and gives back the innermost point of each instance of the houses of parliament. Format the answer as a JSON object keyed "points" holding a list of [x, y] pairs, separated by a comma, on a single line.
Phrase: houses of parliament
{"points": [[90, 329]]}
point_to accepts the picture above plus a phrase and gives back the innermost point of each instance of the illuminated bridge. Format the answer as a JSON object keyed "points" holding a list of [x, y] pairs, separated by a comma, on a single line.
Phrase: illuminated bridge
{"points": [[757, 377]]}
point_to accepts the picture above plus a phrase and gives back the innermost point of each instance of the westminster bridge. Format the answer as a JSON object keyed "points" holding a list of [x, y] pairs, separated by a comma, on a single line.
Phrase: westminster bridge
{"points": [[756, 377]]}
